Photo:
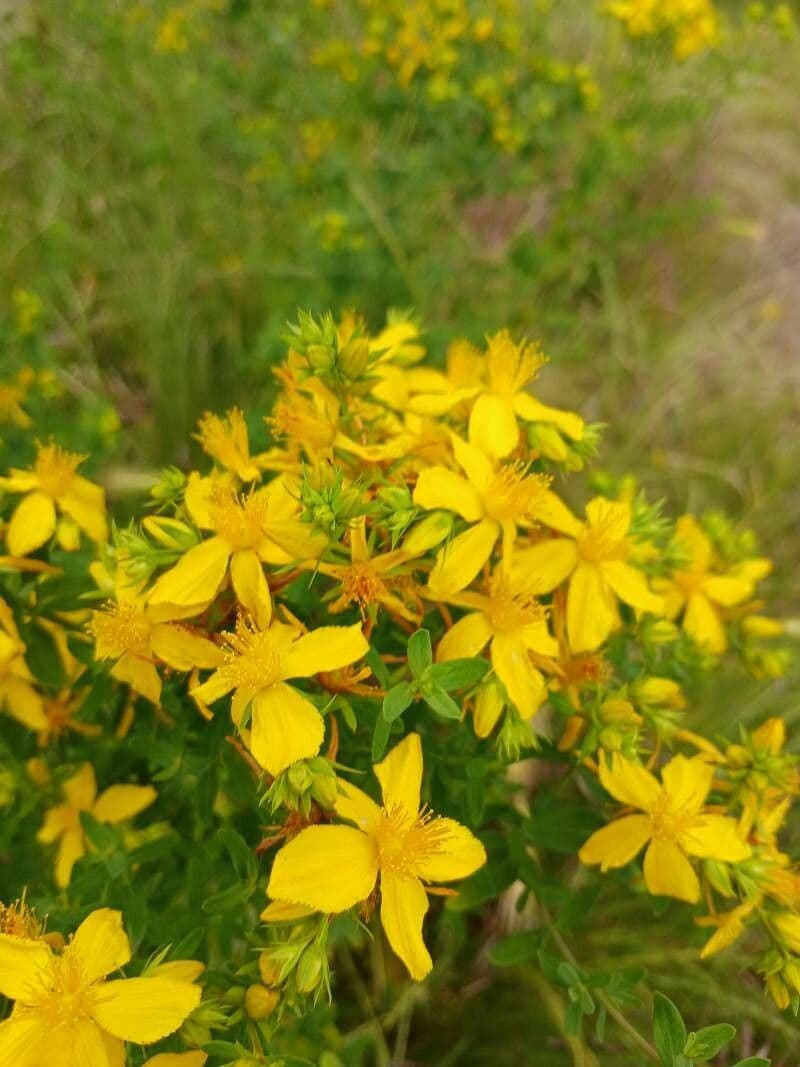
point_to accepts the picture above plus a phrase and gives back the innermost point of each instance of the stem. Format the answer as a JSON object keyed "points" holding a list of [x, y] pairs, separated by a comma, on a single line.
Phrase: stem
{"points": [[611, 1008], [384, 1056]]}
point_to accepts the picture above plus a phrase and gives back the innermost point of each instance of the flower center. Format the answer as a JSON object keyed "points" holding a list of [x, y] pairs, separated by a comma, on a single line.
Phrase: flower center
{"points": [[509, 612], [512, 494], [512, 366], [361, 585], [239, 520], [64, 995], [225, 440], [18, 920], [406, 840], [55, 468], [252, 659], [668, 823], [118, 629], [604, 539]]}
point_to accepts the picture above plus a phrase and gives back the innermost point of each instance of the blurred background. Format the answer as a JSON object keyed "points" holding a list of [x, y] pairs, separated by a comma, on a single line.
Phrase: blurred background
{"points": [[618, 180]]}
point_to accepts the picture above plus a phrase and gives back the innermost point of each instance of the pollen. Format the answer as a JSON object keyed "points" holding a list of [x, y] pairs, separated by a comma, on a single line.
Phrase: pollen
{"points": [[239, 519], [513, 495], [512, 366], [120, 628], [226, 440], [64, 995], [509, 612], [604, 539], [55, 468], [405, 840], [252, 659], [668, 823]]}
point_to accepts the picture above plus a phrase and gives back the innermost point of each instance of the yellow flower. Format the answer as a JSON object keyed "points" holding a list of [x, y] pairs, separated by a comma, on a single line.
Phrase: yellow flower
{"points": [[698, 592], [494, 500], [67, 1013], [730, 926], [18, 694], [124, 632], [332, 868], [226, 441], [493, 423], [594, 559], [63, 822], [248, 530], [285, 725], [177, 1059], [11, 409], [53, 485], [674, 823], [514, 625]]}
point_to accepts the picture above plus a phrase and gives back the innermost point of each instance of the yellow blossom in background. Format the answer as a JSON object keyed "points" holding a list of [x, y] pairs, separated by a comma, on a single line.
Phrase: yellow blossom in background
{"points": [[50, 487], [333, 868], [63, 822], [227, 442], [67, 1012], [693, 23], [285, 725], [674, 825], [701, 590], [18, 693]]}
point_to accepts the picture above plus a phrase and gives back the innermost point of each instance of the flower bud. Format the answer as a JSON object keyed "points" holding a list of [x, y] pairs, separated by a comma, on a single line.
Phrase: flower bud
{"points": [[268, 969], [299, 776], [489, 704], [427, 534], [171, 533], [260, 1002], [38, 771], [353, 359], [310, 969]]}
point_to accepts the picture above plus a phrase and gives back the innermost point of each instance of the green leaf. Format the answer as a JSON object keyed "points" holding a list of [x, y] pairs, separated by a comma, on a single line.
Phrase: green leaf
{"points": [[397, 700], [438, 701], [244, 861], [420, 655], [235, 896], [380, 738], [378, 667], [669, 1031], [104, 837], [558, 825], [458, 673], [753, 1061], [516, 949], [706, 1043]]}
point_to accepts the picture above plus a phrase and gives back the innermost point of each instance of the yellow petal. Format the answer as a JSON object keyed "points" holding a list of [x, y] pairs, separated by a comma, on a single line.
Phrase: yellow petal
{"points": [[144, 1009], [404, 903], [667, 872], [21, 964], [538, 638], [460, 560], [540, 569], [354, 805], [631, 586], [179, 970], [591, 612], [101, 944], [283, 911], [196, 577], [489, 705], [438, 487], [531, 410], [458, 853], [464, 639], [250, 586], [32, 523], [715, 837], [23, 703], [181, 648], [86, 1045], [616, 844], [703, 624], [473, 461], [286, 727], [400, 774], [327, 868], [140, 675], [213, 688], [81, 789], [727, 589], [553, 512], [629, 783], [85, 503], [524, 684], [613, 515], [325, 649], [120, 802], [25, 1041], [493, 425], [697, 544], [687, 781], [70, 849]]}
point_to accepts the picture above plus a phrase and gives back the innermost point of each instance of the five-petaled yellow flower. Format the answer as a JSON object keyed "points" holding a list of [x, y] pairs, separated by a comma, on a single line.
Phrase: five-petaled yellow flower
{"points": [[52, 486], [494, 500], [285, 726], [67, 1014], [674, 825], [18, 694], [699, 591], [594, 559], [63, 822], [332, 868]]}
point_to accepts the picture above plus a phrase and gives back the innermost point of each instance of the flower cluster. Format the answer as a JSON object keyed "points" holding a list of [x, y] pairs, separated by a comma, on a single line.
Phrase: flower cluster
{"points": [[693, 25], [402, 580]]}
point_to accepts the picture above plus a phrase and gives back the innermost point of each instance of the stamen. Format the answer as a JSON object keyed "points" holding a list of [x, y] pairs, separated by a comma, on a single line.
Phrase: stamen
{"points": [[120, 628], [406, 840], [512, 494], [55, 468]]}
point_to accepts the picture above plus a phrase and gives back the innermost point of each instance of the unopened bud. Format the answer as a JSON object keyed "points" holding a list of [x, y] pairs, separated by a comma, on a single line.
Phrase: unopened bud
{"points": [[427, 534], [260, 1002]]}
